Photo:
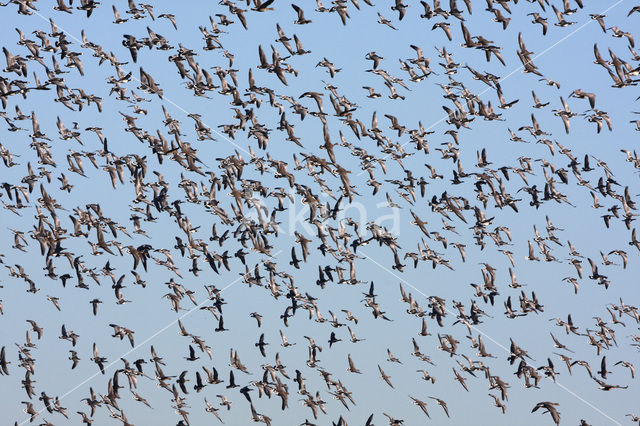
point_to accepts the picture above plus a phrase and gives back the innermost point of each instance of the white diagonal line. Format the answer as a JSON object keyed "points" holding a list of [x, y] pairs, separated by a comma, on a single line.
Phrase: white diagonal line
{"points": [[76, 39], [147, 340], [501, 79], [497, 343]]}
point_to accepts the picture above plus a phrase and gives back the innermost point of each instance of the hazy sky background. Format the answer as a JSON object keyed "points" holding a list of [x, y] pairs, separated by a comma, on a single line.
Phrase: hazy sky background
{"points": [[564, 55]]}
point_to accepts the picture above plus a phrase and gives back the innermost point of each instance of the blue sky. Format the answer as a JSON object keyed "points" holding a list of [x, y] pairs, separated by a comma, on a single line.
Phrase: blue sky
{"points": [[564, 55]]}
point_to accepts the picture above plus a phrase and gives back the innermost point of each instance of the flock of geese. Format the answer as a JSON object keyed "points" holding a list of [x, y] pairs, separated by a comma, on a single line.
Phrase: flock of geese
{"points": [[229, 216]]}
